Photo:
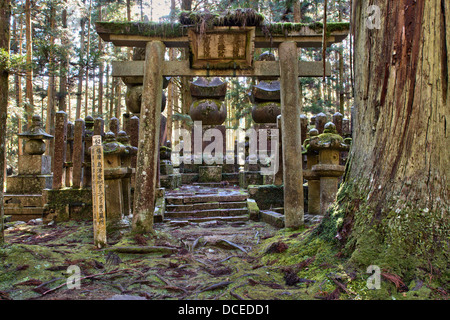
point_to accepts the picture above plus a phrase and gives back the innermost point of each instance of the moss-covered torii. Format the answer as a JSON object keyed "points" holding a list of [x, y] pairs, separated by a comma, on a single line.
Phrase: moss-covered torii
{"points": [[156, 37]]}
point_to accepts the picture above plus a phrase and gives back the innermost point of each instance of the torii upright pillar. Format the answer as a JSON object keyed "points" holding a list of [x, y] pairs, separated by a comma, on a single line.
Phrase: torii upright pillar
{"points": [[291, 135], [149, 127]]}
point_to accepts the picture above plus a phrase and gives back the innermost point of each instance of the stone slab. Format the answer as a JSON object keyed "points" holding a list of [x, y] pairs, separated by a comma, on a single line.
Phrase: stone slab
{"points": [[171, 181], [188, 178], [34, 164], [247, 178], [28, 184], [273, 218], [18, 200], [210, 174]]}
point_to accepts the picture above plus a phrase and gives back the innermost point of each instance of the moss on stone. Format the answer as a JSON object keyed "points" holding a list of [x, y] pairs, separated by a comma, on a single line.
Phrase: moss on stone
{"points": [[149, 29], [229, 18], [282, 28]]}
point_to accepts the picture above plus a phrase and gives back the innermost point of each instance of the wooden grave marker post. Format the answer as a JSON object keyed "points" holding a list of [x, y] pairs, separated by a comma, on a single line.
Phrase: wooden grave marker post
{"points": [[98, 192]]}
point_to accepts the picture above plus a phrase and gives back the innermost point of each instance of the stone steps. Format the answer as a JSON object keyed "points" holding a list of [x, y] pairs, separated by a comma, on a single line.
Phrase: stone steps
{"points": [[201, 202], [207, 213], [206, 219], [205, 206], [187, 199]]}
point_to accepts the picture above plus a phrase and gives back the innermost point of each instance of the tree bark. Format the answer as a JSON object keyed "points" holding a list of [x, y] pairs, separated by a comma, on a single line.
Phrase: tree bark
{"points": [[5, 14], [86, 93], [18, 80], [149, 128], [29, 108], [393, 207], [64, 65], [80, 71], [100, 67], [50, 120]]}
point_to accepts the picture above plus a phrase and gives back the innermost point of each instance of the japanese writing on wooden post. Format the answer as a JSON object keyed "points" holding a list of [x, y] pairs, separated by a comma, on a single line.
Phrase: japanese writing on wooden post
{"points": [[98, 192]]}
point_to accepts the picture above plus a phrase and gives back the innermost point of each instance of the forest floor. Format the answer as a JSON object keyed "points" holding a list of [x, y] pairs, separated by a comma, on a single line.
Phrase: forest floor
{"points": [[213, 261]]}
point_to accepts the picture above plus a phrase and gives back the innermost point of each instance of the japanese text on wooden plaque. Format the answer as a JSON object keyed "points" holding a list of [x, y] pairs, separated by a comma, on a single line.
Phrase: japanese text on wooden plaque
{"points": [[98, 192]]}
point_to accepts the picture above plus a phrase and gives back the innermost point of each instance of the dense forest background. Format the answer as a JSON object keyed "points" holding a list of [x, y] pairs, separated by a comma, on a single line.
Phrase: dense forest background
{"points": [[58, 61]]}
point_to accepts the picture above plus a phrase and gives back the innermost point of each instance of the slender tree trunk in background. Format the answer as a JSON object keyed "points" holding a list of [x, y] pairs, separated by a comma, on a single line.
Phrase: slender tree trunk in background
{"points": [[298, 19], [5, 14], [112, 97], [341, 69], [118, 99], [117, 94], [64, 65], [100, 67], [186, 98], [172, 96], [80, 70], [297, 11], [29, 74], [129, 50], [18, 81], [393, 207], [86, 92], [93, 90], [50, 120]]}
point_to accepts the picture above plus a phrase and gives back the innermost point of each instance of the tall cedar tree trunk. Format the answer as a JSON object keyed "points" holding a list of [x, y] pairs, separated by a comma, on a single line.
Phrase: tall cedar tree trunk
{"points": [[186, 98], [5, 14], [29, 108], [18, 79], [64, 65], [80, 70], [88, 55], [171, 89], [51, 94], [100, 67], [393, 208]]}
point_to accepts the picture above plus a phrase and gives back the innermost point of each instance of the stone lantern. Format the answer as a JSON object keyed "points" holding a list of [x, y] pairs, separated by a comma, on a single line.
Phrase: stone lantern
{"points": [[329, 144], [34, 137], [24, 190]]}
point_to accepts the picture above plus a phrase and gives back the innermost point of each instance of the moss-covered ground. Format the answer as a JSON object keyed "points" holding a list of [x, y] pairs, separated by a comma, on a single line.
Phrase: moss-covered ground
{"points": [[211, 260]]}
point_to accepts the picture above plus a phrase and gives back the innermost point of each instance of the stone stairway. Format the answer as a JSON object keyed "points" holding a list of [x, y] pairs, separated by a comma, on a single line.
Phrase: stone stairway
{"points": [[200, 203]]}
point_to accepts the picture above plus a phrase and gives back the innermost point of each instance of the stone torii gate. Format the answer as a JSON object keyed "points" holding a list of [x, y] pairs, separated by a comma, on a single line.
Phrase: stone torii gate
{"points": [[218, 52]]}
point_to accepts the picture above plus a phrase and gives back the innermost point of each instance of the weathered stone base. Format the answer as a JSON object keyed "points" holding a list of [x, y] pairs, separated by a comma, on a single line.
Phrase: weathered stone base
{"points": [[273, 218], [35, 164], [231, 178], [165, 167], [210, 174], [160, 206], [170, 181], [253, 210], [247, 178], [28, 184], [69, 204], [190, 167], [189, 178], [267, 196]]}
